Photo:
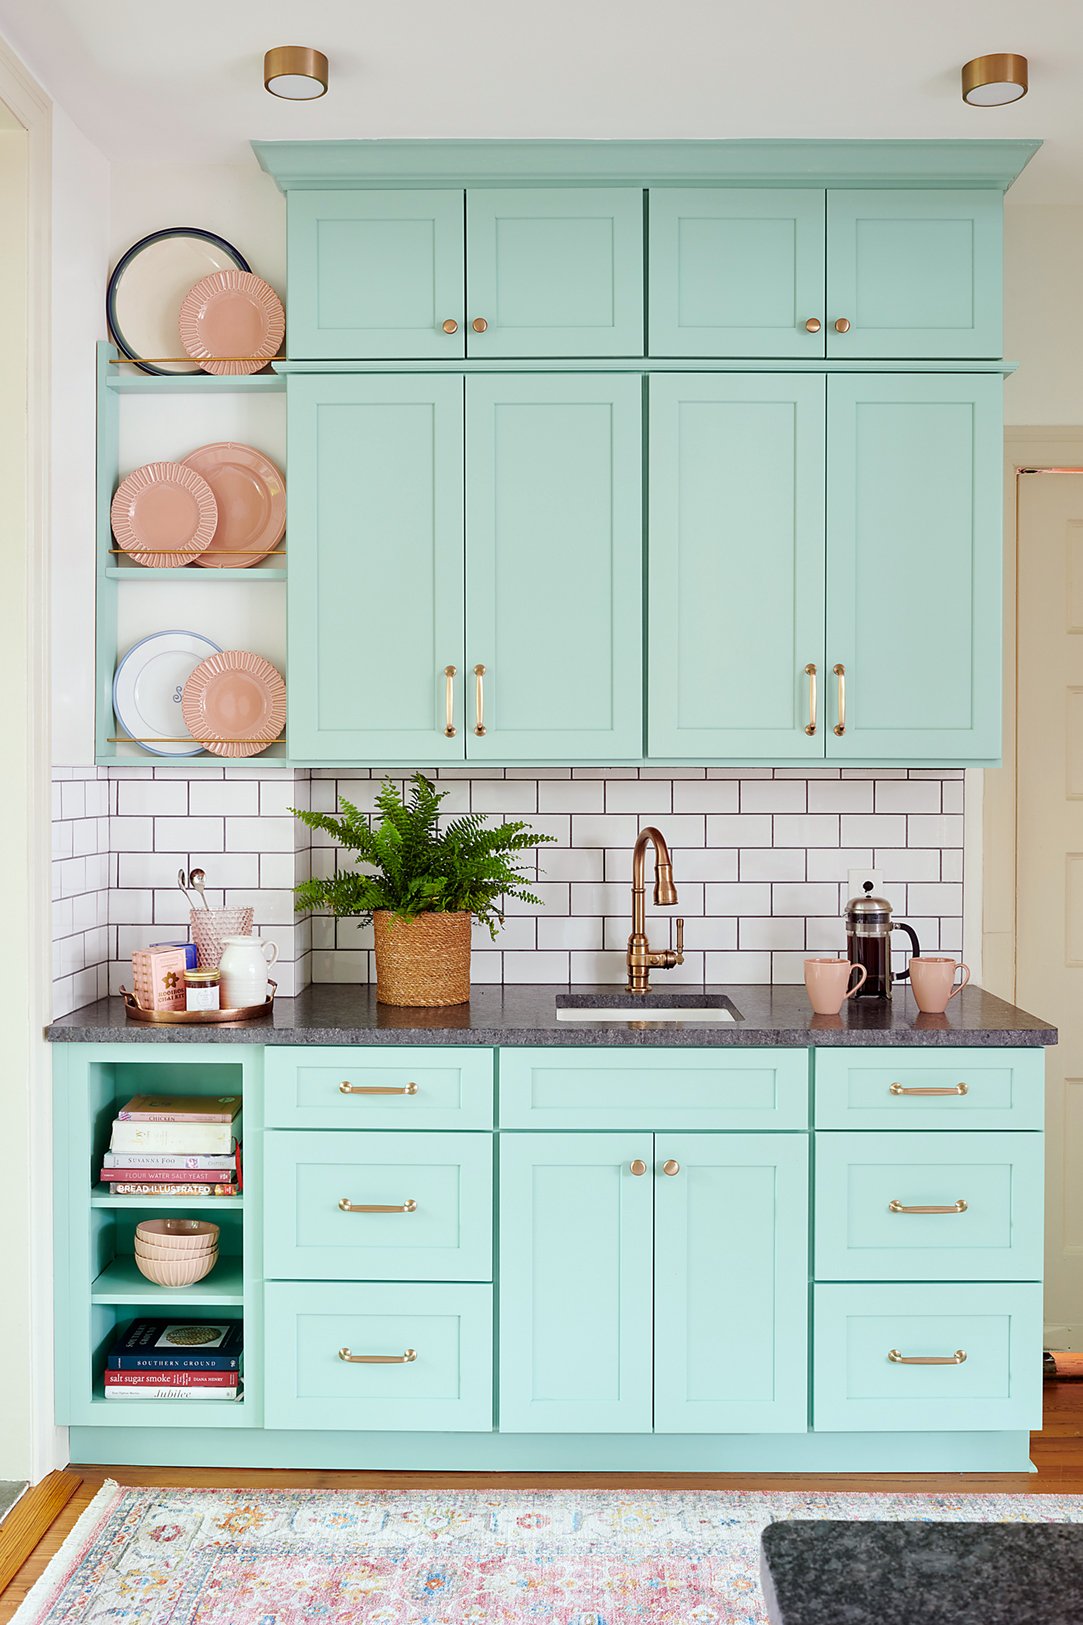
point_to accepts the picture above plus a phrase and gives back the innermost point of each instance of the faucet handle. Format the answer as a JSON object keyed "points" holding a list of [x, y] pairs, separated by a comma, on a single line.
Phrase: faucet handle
{"points": [[680, 942]]}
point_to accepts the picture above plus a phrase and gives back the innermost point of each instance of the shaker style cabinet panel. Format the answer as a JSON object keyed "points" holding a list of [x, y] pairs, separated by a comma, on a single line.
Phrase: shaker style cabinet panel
{"points": [[736, 271], [376, 567], [736, 566], [376, 274], [554, 271], [914, 567], [575, 1273], [914, 274], [730, 1295], [553, 568]]}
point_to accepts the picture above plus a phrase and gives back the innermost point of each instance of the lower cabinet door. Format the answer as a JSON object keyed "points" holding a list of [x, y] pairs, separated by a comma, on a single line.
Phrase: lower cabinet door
{"points": [[731, 1283], [575, 1283], [381, 1358], [415, 1206], [946, 1357]]}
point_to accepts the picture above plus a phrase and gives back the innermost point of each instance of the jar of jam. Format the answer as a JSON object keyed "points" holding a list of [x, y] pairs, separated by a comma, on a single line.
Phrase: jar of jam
{"points": [[202, 989]]}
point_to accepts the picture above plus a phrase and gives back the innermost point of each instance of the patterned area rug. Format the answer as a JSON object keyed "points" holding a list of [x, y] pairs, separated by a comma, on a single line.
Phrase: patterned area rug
{"points": [[448, 1557]]}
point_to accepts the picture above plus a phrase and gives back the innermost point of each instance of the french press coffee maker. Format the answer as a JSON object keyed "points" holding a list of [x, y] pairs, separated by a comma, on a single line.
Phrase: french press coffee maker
{"points": [[868, 942]]}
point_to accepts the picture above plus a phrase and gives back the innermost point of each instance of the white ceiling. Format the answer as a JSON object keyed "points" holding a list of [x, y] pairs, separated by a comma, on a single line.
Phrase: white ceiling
{"points": [[184, 84]]}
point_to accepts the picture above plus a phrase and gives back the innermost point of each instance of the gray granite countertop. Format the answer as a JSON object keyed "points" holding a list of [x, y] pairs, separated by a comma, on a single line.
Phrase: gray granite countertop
{"points": [[922, 1573], [507, 1015]]}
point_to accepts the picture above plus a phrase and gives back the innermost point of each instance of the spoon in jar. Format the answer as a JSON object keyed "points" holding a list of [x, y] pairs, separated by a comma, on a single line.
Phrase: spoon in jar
{"points": [[182, 885], [198, 882]]}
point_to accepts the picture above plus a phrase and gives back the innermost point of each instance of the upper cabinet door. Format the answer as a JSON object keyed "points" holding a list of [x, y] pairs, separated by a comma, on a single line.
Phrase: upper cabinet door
{"points": [[376, 567], [555, 272], [736, 272], [736, 584], [554, 567], [914, 274], [376, 274], [914, 567]]}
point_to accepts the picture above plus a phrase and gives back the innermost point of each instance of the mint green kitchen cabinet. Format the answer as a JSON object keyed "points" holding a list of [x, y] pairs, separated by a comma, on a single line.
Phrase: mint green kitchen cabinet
{"points": [[376, 274], [376, 601], [730, 1285], [736, 271], [553, 567], [736, 566], [914, 567], [554, 271], [914, 274]]}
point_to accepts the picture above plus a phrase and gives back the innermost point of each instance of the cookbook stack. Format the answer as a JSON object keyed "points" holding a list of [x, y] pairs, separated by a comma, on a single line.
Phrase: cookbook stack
{"points": [[172, 1359], [175, 1145]]}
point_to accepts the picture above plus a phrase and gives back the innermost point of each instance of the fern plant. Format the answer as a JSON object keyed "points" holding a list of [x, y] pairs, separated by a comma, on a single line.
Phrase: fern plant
{"points": [[413, 868]]}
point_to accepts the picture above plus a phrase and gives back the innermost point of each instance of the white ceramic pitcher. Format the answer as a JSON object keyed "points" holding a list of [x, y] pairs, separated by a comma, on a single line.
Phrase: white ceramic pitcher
{"points": [[244, 965]]}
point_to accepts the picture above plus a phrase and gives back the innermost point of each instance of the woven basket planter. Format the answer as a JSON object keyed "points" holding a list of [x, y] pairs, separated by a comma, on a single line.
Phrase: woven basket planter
{"points": [[422, 961]]}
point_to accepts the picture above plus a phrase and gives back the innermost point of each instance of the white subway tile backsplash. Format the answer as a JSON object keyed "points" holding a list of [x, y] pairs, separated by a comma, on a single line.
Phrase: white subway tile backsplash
{"points": [[219, 798], [876, 830], [571, 795], [947, 830], [198, 836], [806, 830], [840, 795], [771, 864], [809, 898], [771, 932], [259, 834], [740, 830], [630, 796], [774, 795], [149, 798]]}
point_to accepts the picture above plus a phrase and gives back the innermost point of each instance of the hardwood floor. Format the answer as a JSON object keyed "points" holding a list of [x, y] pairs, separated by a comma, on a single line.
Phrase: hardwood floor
{"points": [[1057, 1453]]}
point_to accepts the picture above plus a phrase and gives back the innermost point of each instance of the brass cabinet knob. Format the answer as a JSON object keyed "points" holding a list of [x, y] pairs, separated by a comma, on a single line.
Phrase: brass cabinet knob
{"points": [[451, 325], [813, 324], [479, 324], [638, 1166], [671, 1167], [842, 325]]}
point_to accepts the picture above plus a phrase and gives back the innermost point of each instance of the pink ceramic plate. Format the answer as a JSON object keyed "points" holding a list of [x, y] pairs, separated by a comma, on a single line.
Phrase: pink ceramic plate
{"points": [[251, 497], [163, 515], [234, 703], [232, 313]]}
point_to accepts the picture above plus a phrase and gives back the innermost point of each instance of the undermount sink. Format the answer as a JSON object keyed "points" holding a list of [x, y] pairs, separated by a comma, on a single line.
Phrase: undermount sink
{"points": [[696, 1009]]}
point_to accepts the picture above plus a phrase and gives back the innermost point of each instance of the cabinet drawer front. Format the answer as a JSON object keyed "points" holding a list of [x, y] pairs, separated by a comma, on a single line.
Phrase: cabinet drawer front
{"points": [[638, 1089], [436, 1189], [858, 1387], [907, 1088], [378, 1088], [987, 1188], [447, 1386]]}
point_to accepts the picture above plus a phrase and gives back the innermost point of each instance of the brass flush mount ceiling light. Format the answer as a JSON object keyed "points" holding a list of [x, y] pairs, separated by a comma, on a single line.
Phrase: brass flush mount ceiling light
{"points": [[992, 81], [297, 73]]}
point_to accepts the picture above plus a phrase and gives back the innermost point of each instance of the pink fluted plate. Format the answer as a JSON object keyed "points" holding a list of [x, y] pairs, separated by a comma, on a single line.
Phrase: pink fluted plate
{"points": [[163, 515], [234, 703], [232, 323], [251, 497]]}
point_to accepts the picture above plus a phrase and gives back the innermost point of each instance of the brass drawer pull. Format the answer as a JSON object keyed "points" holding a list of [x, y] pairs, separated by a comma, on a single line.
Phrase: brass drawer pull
{"points": [[926, 1359], [902, 1089], [954, 1207], [810, 673], [346, 1206], [479, 699], [840, 726], [449, 702], [345, 1088], [406, 1358]]}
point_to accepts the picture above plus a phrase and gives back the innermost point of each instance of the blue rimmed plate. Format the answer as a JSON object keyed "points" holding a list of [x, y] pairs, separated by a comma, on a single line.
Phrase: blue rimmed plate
{"points": [[149, 286], [148, 687]]}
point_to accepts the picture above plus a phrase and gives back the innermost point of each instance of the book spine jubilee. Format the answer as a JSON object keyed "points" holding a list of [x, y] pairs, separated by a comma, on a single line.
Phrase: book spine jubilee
{"points": [[165, 1159], [155, 1360], [167, 1176], [171, 1379], [186, 1138], [154, 1390], [133, 1188]]}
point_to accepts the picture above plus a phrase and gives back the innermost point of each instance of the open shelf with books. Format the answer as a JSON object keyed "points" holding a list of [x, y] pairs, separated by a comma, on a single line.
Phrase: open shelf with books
{"points": [[132, 1111]]}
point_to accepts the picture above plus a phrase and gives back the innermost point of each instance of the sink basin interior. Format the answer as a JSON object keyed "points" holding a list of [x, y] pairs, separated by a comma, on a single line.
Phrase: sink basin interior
{"points": [[695, 1009]]}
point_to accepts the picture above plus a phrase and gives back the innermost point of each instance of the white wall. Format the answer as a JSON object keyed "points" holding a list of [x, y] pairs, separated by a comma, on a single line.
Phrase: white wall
{"points": [[1043, 316], [238, 201]]}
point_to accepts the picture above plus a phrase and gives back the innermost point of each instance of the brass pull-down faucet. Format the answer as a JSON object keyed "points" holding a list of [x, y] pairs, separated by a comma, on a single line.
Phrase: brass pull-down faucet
{"points": [[642, 958]]}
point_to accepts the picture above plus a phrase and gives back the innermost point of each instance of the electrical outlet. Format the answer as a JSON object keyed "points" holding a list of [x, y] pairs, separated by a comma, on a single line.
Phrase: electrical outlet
{"points": [[859, 878]]}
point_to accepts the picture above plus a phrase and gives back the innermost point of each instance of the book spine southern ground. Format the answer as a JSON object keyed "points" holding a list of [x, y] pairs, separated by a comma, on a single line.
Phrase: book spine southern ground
{"points": [[155, 1360], [188, 1138], [165, 1378], [164, 1159], [180, 1109], [153, 1390], [142, 1188]]}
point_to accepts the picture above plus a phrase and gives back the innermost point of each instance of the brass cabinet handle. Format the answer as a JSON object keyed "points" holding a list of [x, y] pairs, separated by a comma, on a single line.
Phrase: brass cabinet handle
{"points": [[671, 1167], [810, 673], [842, 325], [902, 1089], [952, 1207], [451, 325], [926, 1359], [840, 673], [479, 324], [638, 1166], [449, 702], [405, 1358], [346, 1088], [346, 1206], [813, 324], [479, 699]]}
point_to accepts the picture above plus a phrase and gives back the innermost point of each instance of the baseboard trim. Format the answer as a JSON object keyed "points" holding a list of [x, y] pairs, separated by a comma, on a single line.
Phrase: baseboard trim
{"points": [[30, 1519]]}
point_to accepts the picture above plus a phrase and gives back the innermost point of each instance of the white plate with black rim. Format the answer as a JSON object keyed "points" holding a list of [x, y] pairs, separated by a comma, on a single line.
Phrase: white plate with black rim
{"points": [[148, 687], [149, 285]]}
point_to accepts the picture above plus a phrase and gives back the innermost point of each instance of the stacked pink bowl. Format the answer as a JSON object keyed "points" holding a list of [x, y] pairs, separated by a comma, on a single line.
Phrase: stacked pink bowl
{"points": [[176, 1252]]}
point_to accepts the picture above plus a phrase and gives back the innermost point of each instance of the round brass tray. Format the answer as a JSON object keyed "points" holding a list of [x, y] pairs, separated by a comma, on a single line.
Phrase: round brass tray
{"points": [[196, 1018]]}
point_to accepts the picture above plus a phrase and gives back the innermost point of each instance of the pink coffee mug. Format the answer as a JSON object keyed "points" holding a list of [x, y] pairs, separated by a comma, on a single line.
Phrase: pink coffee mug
{"points": [[931, 977], [826, 981]]}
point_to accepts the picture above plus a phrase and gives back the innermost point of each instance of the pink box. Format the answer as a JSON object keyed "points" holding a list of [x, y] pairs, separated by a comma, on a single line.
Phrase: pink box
{"points": [[158, 978]]}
